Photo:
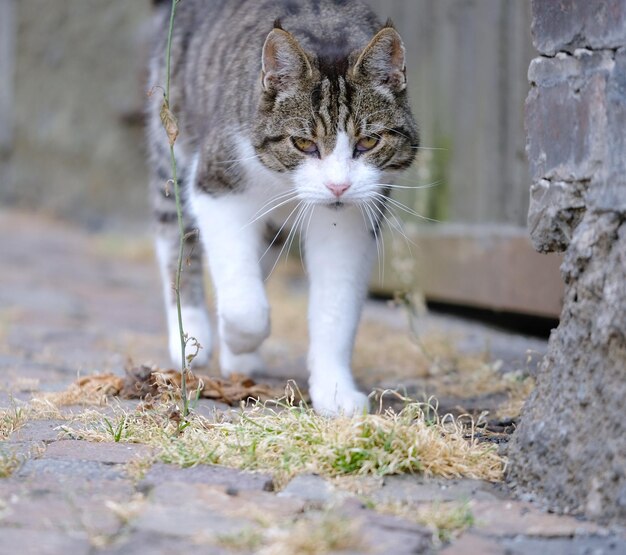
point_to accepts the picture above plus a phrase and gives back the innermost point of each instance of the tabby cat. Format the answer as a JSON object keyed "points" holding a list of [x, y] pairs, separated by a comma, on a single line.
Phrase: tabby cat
{"points": [[293, 116]]}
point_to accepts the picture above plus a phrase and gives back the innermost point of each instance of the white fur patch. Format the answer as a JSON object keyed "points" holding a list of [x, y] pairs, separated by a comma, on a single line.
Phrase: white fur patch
{"points": [[339, 167]]}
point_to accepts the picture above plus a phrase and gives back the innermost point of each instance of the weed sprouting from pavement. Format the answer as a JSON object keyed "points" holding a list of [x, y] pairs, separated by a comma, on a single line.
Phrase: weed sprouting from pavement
{"points": [[170, 125], [9, 462]]}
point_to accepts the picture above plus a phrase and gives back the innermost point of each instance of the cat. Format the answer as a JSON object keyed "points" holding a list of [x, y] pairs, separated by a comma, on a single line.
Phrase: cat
{"points": [[293, 116]]}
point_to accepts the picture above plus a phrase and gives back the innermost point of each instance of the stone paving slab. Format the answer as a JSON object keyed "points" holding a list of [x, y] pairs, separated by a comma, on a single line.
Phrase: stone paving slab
{"points": [[186, 522], [513, 518], [247, 503], [104, 452], [144, 543], [229, 478], [68, 308], [70, 470], [472, 544], [432, 490], [38, 430], [67, 514], [42, 542], [577, 546]]}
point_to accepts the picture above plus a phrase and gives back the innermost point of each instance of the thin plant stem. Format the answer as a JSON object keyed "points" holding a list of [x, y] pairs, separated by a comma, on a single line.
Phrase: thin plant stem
{"points": [[181, 226]]}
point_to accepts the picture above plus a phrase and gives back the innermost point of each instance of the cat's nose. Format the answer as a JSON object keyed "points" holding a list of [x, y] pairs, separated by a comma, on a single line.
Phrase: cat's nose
{"points": [[337, 189]]}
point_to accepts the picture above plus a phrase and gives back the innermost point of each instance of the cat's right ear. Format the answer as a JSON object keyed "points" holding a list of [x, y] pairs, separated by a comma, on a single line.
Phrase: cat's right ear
{"points": [[284, 63]]}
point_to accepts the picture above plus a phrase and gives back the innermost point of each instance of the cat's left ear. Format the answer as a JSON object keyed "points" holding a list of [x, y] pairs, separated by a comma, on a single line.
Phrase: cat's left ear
{"points": [[284, 63], [383, 59]]}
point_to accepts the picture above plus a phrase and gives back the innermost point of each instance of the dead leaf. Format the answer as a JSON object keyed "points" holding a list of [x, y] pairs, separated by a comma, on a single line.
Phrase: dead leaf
{"points": [[170, 124], [150, 383]]}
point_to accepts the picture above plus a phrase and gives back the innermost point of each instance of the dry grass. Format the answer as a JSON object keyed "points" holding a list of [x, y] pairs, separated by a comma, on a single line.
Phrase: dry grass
{"points": [[9, 462], [446, 521], [311, 534], [327, 533], [11, 420], [286, 440], [15, 416], [86, 391]]}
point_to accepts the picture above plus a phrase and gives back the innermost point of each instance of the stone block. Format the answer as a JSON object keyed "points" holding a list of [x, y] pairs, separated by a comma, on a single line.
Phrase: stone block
{"points": [[570, 24], [555, 209], [566, 116], [614, 194]]}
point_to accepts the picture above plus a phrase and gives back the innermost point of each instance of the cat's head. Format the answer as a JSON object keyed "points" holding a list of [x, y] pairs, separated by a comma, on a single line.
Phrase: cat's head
{"points": [[335, 124]]}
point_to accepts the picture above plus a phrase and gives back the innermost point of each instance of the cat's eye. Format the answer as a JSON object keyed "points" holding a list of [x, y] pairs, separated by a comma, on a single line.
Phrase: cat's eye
{"points": [[366, 143], [305, 145]]}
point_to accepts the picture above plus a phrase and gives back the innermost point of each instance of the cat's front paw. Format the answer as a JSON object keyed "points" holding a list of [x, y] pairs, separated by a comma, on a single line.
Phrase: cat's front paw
{"points": [[196, 325], [245, 364], [336, 400], [244, 329]]}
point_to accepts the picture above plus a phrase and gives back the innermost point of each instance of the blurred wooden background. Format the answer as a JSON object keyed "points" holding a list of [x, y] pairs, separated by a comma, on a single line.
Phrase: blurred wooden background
{"points": [[467, 63], [71, 140]]}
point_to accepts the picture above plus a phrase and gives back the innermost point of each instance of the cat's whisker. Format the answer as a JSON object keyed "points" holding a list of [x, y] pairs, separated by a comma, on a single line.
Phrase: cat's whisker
{"points": [[404, 207], [239, 159], [428, 148], [395, 226], [299, 208], [401, 229], [279, 196], [393, 186], [365, 220], [297, 230], [306, 234], [287, 201], [381, 240], [380, 245], [279, 232], [308, 209]]}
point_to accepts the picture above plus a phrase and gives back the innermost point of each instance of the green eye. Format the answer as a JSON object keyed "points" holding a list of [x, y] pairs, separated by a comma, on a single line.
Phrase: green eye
{"points": [[305, 145], [366, 143]]}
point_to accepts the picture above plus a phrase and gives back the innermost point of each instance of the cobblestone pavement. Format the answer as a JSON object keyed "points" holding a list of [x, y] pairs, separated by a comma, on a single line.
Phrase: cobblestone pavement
{"points": [[73, 303]]}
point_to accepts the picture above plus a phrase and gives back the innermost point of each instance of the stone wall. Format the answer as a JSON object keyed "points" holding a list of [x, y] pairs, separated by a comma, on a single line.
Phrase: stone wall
{"points": [[76, 141], [571, 444]]}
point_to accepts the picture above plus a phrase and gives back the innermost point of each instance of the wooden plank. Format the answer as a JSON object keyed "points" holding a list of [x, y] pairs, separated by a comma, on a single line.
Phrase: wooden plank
{"points": [[7, 73], [467, 67], [493, 267]]}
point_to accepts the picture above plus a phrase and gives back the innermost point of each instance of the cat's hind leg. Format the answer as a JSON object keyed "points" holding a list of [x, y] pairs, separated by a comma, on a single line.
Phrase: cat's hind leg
{"points": [[194, 312]]}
